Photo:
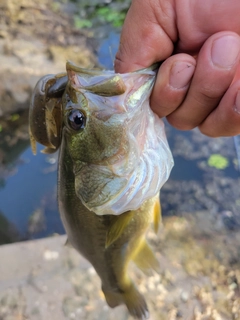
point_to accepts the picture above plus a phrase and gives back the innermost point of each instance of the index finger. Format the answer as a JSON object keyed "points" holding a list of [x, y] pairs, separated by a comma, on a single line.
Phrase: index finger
{"points": [[143, 39]]}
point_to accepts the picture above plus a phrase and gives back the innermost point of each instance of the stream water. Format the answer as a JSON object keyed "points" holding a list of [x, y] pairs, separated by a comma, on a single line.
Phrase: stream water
{"points": [[28, 202]]}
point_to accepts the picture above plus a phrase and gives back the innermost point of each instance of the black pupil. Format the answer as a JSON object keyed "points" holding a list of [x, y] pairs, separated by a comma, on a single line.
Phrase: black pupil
{"points": [[76, 119]]}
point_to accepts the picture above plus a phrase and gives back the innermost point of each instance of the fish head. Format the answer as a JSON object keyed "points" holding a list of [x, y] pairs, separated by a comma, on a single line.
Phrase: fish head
{"points": [[105, 117], [94, 134], [98, 106]]}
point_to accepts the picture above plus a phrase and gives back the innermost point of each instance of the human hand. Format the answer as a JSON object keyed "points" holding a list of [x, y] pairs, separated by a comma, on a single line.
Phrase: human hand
{"points": [[198, 84]]}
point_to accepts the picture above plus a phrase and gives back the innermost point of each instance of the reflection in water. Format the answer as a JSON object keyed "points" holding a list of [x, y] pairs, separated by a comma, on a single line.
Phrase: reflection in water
{"points": [[31, 188], [8, 232], [28, 183], [13, 141], [108, 49]]}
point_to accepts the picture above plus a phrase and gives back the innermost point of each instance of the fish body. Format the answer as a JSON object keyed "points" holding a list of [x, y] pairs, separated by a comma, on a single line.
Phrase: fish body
{"points": [[113, 160], [88, 234]]}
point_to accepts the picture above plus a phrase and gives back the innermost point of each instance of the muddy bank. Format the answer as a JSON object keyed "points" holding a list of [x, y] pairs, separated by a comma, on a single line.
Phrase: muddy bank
{"points": [[36, 39]]}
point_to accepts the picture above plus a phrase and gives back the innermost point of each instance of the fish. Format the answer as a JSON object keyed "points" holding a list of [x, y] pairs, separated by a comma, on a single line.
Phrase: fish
{"points": [[113, 160]]}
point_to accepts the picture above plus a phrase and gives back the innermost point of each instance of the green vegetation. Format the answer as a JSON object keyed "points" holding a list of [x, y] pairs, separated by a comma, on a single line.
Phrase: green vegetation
{"points": [[217, 161], [14, 117], [93, 13], [108, 14], [82, 23]]}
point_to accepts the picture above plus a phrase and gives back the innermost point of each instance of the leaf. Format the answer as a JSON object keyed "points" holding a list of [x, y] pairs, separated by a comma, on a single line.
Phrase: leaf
{"points": [[218, 161], [82, 23], [112, 16]]}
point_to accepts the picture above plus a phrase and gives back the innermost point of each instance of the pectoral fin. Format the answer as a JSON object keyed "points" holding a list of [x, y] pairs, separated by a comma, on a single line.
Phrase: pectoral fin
{"points": [[145, 259], [157, 215], [118, 226]]}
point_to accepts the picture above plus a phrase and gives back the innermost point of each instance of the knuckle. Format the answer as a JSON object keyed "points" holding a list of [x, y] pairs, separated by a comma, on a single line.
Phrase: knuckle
{"points": [[216, 130], [208, 97], [180, 124], [209, 132]]}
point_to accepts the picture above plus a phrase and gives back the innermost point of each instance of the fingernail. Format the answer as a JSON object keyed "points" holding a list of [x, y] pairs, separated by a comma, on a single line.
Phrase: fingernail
{"points": [[237, 102], [181, 74], [225, 51]]}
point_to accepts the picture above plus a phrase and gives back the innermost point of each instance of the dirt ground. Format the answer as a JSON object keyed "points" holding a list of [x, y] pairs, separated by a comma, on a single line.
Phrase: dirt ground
{"points": [[199, 278]]}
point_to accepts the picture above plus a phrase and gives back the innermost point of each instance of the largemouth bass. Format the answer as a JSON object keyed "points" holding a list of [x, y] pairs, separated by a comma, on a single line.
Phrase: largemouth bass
{"points": [[113, 160]]}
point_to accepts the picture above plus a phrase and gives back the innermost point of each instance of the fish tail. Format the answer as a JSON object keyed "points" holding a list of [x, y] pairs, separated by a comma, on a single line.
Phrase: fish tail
{"points": [[136, 303], [132, 298], [113, 299]]}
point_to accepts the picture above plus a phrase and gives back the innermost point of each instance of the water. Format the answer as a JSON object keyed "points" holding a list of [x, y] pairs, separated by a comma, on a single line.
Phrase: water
{"points": [[108, 49], [32, 187], [28, 200]]}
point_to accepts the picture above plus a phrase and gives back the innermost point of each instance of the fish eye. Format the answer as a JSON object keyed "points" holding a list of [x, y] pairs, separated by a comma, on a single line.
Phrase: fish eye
{"points": [[76, 119]]}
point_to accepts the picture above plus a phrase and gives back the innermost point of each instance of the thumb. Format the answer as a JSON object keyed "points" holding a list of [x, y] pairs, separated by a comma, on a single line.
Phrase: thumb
{"points": [[147, 35]]}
